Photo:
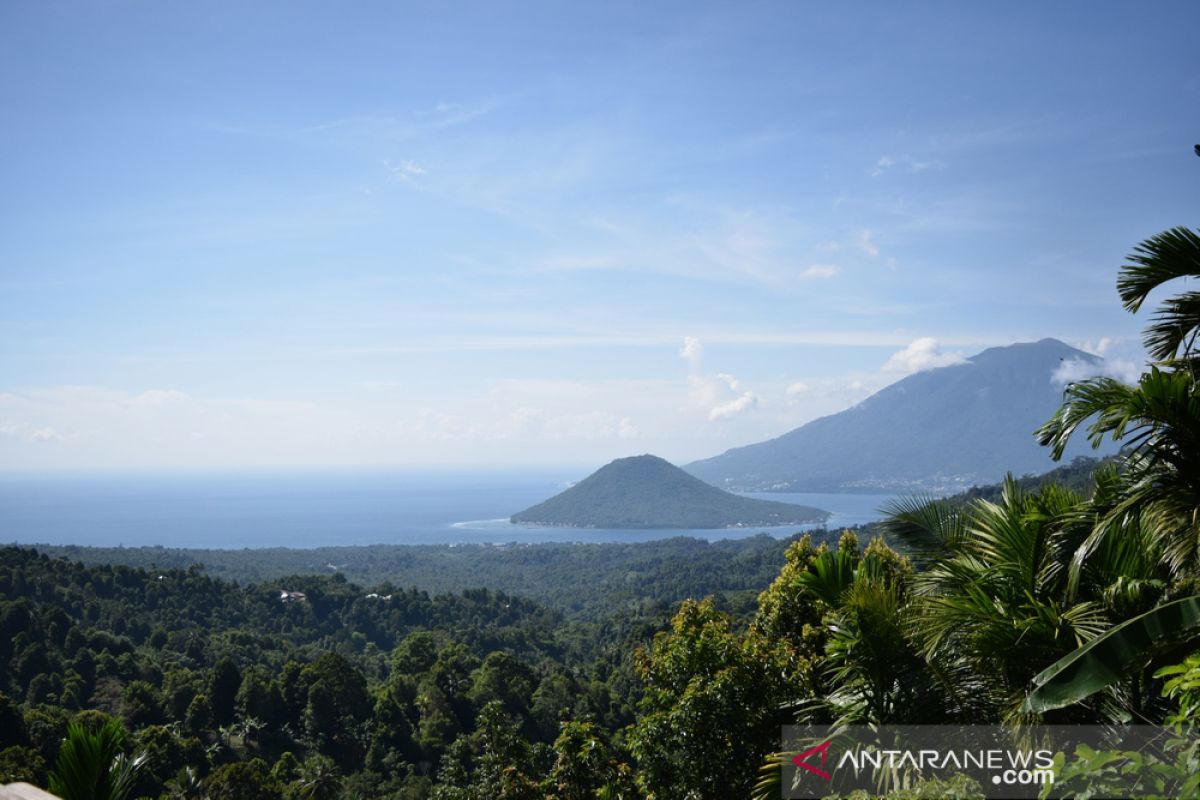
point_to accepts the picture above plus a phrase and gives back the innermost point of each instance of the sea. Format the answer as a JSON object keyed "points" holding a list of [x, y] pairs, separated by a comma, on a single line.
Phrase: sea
{"points": [[304, 509]]}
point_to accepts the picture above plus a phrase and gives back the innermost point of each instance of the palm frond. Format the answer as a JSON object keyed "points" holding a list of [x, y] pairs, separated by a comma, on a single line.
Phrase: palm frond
{"points": [[1173, 328], [928, 524], [91, 766], [831, 576], [769, 785], [1172, 254]]}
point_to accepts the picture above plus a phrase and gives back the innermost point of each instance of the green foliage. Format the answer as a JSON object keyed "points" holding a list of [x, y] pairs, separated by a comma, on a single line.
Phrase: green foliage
{"points": [[1114, 655], [583, 581], [1172, 770], [223, 687], [1158, 420], [710, 707], [242, 780], [318, 779], [648, 492], [996, 608], [1171, 255], [25, 764], [92, 765], [583, 762], [1183, 685]]}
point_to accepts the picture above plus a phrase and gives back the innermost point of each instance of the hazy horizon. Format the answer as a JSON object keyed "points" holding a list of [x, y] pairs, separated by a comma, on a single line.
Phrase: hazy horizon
{"points": [[473, 236]]}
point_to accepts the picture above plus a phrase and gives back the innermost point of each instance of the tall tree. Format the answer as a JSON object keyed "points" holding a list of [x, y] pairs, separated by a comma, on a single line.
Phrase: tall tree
{"points": [[1158, 420]]}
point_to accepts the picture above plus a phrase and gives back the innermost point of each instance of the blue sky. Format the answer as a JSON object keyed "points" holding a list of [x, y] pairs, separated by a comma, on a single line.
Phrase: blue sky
{"points": [[237, 234]]}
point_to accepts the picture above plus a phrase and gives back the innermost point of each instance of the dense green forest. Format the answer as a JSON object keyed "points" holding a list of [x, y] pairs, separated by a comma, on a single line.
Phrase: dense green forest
{"points": [[1045, 602], [585, 581]]}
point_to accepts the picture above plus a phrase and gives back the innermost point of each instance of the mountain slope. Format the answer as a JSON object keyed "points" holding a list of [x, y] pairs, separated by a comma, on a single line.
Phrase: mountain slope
{"points": [[943, 429], [648, 492]]}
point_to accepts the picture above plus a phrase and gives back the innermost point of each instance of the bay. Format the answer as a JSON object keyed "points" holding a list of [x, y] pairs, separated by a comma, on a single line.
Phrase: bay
{"points": [[311, 508]]}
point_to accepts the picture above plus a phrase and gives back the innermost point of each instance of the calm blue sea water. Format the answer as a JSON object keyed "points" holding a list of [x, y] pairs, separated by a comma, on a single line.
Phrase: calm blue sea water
{"points": [[314, 509]]}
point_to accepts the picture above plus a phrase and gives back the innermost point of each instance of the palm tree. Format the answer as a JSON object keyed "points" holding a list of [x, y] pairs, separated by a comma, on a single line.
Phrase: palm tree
{"points": [[1154, 506], [319, 779], [1158, 420], [186, 785], [1171, 255], [995, 607], [91, 766]]}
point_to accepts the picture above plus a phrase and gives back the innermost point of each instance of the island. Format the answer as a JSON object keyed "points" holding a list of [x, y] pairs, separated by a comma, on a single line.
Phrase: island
{"points": [[646, 492]]}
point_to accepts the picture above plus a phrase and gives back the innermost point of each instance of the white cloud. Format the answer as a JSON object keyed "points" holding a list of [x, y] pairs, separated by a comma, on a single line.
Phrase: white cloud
{"points": [[404, 170], [29, 433], [589, 426], [866, 243], [798, 388], [692, 351], [1077, 369], [821, 271], [1124, 358], [380, 385], [734, 407], [731, 408], [1100, 347], [719, 396], [446, 115], [882, 165], [155, 398], [885, 163], [922, 354]]}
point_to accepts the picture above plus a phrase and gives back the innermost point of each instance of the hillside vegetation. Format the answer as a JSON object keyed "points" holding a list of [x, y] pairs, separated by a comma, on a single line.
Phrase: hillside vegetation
{"points": [[648, 492]]}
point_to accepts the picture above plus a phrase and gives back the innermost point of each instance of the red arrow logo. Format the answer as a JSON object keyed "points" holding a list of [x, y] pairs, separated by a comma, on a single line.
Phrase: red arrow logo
{"points": [[823, 749]]}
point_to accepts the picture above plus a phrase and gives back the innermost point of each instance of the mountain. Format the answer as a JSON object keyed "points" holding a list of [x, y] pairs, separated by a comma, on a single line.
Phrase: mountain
{"points": [[940, 430], [648, 492]]}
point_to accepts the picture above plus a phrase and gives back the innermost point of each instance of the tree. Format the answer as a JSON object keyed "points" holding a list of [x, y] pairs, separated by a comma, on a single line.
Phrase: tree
{"points": [[875, 672], [258, 697], [92, 766], [415, 655], [319, 779], [242, 780], [222, 690], [22, 764], [337, 708], [583, 762], [709, 714], [492, 763], [1171, 255], [1158, 420], [996, 609], [1157, 493], [505, 678]]}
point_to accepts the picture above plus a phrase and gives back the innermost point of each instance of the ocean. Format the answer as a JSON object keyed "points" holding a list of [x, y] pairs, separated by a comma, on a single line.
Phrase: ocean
{"points": [[305, 509]]}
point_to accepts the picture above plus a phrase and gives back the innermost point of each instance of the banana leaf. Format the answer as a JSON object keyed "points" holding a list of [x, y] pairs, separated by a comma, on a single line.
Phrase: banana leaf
{"points": [[1114, 655]]}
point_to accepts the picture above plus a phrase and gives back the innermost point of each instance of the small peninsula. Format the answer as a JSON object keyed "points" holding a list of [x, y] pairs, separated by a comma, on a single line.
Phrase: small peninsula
{"points": [[643, 492]]}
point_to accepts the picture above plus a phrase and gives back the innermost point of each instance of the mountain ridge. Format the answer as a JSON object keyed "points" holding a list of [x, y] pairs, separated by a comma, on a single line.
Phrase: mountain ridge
{"points": [[941, 429]]}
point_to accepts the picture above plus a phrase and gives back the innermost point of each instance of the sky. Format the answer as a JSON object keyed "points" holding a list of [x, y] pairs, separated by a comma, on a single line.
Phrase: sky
{"points": [[517, 234]]}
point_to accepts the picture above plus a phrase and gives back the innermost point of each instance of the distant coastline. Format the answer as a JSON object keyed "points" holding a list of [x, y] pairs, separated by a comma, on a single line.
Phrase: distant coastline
{"points": [[317, 509]]}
